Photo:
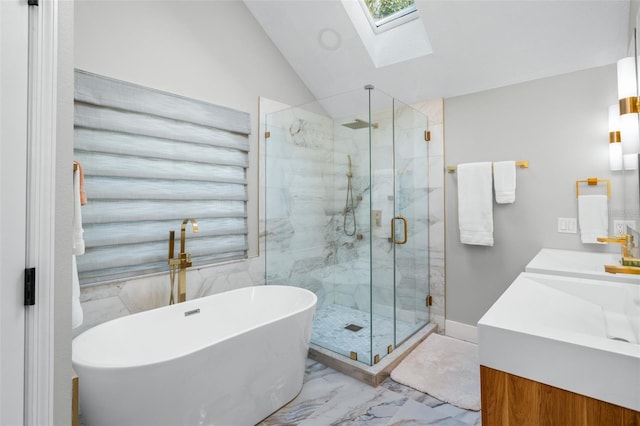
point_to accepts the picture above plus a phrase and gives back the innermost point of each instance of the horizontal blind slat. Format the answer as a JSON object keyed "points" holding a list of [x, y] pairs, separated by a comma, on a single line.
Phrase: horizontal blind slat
{"points": [[120, 94], [144, 146], [96, 164], [92, 117], [122, 188], [127, 272], [104, 211], [104, 234], [137, 254]]}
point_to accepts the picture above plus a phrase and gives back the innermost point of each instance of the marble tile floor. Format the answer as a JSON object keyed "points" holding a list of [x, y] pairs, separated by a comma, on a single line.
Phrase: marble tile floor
{"points": [[330, 333], [332, 398]]}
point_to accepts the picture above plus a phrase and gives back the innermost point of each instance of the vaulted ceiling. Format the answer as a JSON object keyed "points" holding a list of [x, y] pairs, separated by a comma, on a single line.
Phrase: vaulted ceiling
{"points": [[477, 45]]}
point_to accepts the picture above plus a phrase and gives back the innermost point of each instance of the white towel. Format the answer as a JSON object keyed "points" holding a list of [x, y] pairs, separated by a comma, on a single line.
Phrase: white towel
{"points": [[593, 217], [475, 204], [77, 249], [504, 181], [78, 240], [76, 308]]}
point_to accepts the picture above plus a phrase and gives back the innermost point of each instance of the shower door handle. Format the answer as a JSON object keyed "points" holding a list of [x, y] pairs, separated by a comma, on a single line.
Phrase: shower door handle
{"points": [[393, 230]]}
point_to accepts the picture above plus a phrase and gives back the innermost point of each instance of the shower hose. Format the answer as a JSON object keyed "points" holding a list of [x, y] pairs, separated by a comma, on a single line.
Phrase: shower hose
{"points": [[349, 209]]}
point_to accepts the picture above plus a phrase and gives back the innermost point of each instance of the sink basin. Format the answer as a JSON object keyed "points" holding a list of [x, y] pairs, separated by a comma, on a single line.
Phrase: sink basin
{"points": [[576, 334], [579, 264]]}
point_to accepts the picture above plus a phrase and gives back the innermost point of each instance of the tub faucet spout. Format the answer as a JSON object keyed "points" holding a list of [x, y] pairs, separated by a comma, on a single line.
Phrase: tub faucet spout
{"points": [[184, 259]]}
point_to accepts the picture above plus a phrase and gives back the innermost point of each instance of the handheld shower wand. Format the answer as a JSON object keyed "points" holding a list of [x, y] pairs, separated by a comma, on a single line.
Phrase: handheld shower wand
{"points": [[349, 208]]}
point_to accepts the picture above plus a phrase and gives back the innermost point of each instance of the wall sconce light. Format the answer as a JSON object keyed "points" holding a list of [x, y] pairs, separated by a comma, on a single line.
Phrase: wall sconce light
{"points": [[628, 104], [615, 145], [627, 89]]}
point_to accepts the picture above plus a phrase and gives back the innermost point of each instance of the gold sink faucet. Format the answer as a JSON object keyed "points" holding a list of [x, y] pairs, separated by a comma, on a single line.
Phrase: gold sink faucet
{"points": [[625, 240], [628, 264], [182, 262]]}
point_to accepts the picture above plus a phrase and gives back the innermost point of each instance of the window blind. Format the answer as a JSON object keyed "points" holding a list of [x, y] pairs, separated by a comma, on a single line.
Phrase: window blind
{"points": [[152, 159]]}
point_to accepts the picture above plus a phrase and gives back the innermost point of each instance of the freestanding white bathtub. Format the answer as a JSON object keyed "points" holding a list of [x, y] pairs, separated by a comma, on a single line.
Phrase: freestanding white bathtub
{"points": [[228, 359]]}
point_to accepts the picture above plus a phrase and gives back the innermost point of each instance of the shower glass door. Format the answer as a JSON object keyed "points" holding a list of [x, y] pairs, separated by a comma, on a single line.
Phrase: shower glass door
{"points": [[382, 213], [399, 223], [411, 202]]}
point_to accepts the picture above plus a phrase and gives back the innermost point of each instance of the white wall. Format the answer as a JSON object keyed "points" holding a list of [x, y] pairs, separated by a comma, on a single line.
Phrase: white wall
{"points": [[61, 324], [559, 124], [214, 51]]}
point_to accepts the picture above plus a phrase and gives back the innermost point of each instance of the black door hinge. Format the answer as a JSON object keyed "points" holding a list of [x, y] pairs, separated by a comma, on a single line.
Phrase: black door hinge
{"points": [[30, 286], [33, 2]]}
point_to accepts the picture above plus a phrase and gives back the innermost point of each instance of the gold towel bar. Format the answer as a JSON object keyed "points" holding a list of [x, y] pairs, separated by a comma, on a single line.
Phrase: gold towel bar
{"points": [[522, 164], [593, 182]]}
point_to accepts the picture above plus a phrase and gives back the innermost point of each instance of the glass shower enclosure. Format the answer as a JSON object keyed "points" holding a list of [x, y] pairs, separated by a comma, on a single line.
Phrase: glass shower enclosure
{"points": [[347, 217]]}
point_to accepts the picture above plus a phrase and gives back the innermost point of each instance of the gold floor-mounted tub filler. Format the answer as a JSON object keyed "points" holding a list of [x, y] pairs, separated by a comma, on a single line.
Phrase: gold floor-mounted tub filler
{"points": [[181, 263]]}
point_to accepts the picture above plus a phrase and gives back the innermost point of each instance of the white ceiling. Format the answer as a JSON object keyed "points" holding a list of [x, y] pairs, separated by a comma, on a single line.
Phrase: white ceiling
{"points": [[477, 45]]}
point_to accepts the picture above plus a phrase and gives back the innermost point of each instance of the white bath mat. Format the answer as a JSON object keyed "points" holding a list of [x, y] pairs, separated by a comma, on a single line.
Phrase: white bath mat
{"points": [[444, 368]]}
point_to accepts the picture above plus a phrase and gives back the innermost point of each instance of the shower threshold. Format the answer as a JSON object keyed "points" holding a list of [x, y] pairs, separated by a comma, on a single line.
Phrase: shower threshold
{"points": [[374, 374]]}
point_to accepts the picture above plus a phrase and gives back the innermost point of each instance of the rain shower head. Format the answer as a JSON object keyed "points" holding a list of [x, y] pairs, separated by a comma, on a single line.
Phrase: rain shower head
{"points": [[359, 124]]}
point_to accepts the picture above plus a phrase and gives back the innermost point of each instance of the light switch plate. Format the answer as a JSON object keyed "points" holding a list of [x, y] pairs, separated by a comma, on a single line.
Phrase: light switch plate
{"points": [[567, 225]]}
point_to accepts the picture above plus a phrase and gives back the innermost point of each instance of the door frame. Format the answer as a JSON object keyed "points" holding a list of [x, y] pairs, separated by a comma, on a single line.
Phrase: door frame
{"points": [[41, 207]]}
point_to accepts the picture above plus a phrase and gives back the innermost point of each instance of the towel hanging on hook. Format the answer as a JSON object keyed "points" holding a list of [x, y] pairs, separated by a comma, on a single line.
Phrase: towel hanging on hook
{"points": [[77, 167]]}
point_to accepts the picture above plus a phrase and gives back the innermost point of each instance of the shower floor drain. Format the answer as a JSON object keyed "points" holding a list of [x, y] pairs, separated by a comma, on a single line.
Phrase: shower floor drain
{"points": [[354, 327]]}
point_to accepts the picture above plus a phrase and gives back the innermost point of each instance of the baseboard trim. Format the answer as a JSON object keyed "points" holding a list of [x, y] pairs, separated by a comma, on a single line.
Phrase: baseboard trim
{"points": [[461, 331]]}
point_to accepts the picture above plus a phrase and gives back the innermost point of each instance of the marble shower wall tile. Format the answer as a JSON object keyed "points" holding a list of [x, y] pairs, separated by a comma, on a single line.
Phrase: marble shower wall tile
{"points": [[301, 153]]}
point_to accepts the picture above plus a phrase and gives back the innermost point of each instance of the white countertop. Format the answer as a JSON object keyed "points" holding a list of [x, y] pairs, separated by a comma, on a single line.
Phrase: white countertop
{"points": [[579, 264]]}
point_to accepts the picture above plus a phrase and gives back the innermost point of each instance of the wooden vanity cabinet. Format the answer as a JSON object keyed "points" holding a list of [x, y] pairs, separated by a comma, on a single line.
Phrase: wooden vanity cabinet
{"points": [[509, 400]]}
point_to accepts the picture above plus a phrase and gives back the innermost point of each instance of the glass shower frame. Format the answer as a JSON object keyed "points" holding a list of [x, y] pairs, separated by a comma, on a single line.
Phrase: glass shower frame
{"points": [[372, 286]]}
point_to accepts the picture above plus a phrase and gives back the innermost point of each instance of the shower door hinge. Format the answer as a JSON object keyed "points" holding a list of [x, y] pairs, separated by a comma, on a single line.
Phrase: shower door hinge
{"points": [[267, 135], [29, 286], [429, 301], [33, 2], [427, 135]]}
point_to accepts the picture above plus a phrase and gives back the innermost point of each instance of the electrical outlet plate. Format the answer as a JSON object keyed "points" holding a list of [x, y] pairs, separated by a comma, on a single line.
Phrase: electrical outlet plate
{"points": [[620, 226]]}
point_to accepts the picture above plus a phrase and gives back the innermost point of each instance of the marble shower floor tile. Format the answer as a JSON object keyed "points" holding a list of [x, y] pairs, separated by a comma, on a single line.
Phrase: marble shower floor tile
{"points": [[330, 333], [332, 398]]}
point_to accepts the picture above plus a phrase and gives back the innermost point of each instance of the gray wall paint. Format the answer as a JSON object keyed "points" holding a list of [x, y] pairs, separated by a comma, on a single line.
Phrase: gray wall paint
{"points": [[64, 202], [634, 6], [209, 50], [560, 125]]}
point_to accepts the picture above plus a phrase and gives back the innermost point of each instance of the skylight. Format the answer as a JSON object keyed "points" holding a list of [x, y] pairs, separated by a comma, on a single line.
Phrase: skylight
{"points": [[407, 38], [386, 14]]}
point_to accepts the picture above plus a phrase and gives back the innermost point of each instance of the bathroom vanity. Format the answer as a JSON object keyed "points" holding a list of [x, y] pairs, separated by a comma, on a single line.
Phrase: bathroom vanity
{"points": [[562, 348]]}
